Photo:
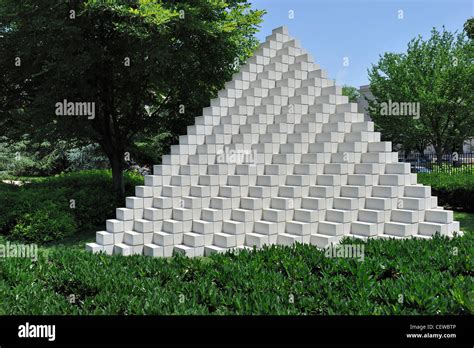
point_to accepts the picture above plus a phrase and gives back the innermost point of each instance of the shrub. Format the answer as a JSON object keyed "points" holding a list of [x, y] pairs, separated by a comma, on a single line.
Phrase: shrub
{"points": [[432, 281], [453, 190], [48, 223], [92, 192], [23, 158], [150, 151], [86, 158]]}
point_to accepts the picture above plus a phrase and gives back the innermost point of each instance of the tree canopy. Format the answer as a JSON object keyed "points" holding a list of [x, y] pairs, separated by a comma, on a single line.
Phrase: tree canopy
{"points": [[469, 28], [438, 74], [351, 92], [144, 67]]}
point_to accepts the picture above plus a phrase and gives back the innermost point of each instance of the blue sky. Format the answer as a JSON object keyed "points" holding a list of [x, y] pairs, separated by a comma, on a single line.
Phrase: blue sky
{"points": [[360, 30]]}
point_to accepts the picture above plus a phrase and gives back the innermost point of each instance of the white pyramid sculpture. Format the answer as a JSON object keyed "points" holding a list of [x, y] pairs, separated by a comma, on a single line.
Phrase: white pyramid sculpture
{"points": [[313, 171]]}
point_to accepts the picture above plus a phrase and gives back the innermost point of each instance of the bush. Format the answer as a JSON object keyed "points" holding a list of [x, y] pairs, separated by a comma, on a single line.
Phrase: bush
{"points": [[22, 158], [453, 190], [48, 223], [86, 158], [149, 151], [432, 281], [87, 197]]}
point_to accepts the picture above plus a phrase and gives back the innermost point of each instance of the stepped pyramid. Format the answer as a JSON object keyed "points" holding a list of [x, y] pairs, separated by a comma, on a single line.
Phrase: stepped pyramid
{"points": [[279, 157]]}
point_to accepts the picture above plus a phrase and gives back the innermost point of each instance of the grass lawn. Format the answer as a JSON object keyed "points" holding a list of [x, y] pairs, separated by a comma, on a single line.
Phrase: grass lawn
{"points": [[395, 277]]}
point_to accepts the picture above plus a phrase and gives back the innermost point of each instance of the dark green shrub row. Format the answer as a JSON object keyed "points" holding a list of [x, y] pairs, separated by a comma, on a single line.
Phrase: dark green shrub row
{"points": [[396, 277], [48, 209], [46, 224], [455, 191]]}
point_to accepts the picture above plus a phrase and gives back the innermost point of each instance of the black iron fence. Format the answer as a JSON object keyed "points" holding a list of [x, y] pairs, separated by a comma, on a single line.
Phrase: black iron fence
{"points": [[450, 163]]}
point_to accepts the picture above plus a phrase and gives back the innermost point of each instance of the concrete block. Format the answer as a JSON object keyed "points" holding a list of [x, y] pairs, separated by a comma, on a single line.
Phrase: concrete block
{"points": [[279, 156]]}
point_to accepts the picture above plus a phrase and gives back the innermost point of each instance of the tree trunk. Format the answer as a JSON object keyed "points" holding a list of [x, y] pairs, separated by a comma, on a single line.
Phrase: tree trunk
{"points": [[439, 154], [421, 149], [115, 154], [117, 175]]}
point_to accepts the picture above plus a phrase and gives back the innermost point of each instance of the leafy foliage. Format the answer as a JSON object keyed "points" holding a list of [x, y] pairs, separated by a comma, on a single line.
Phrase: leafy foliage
{"points": [[48, 223], [148, 66], [149, 150], [396, 277], [437, 73], [469, 28], [453, 190], [23, 158], [42, 211], [351, 92]]}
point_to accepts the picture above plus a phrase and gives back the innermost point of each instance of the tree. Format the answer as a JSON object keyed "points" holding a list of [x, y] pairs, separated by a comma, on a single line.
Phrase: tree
{"points": [[469, 28], [131, 68], [351, 92], [437, 74]]}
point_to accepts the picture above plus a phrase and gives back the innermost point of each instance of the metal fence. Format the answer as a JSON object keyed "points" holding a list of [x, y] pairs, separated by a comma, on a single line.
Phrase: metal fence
{"points": [[450, 163]]}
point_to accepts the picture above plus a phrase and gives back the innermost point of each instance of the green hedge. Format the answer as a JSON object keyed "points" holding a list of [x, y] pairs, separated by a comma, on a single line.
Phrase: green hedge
{"points": [[51, 208], [396, 277], [46, 224], [455, 191]]}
